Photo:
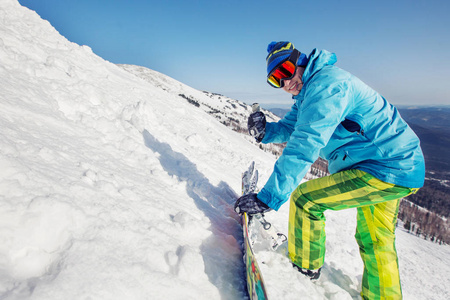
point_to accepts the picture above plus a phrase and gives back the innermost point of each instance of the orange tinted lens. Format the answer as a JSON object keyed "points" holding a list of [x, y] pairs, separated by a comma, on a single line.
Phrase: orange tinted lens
{"points": [[273, 81], [289, 67], [286, 70]]}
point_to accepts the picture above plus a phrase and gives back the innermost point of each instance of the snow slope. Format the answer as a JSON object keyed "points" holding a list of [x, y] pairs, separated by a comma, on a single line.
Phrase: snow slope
{"points": [[114, 187]]}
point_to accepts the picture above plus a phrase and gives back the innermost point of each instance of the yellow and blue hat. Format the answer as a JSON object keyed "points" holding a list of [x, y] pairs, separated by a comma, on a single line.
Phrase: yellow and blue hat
{"points": [[280, 51]]}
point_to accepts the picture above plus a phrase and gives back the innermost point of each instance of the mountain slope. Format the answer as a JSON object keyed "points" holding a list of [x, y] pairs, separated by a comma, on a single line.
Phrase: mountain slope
{"points": [[114, 187], [108, 180]]}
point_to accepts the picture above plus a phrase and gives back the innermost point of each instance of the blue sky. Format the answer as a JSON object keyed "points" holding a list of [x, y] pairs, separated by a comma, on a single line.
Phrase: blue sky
{"points": [[400, 48]]}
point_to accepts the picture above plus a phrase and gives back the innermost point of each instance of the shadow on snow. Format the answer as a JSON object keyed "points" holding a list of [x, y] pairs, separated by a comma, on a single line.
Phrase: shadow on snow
{"points": [[221, 252]]}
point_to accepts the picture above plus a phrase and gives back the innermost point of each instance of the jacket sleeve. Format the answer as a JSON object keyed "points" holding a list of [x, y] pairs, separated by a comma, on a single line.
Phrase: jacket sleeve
{"points": [[280, 132], [324, 106]]}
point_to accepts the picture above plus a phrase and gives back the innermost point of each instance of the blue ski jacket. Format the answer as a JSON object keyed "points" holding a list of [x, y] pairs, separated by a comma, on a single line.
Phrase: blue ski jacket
{"points": [[339, 118]]}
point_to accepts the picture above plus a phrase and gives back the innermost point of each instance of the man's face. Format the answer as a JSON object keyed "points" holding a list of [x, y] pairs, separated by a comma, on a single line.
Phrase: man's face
{"points": [[295, 84]]}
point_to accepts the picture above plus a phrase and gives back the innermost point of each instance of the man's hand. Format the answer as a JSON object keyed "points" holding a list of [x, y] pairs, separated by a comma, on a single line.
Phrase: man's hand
{"points": [[250, 204], [257, 125]]}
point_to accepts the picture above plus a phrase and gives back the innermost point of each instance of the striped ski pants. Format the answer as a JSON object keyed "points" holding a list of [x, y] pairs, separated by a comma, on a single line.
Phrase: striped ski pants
{"points": [[377, 204]]}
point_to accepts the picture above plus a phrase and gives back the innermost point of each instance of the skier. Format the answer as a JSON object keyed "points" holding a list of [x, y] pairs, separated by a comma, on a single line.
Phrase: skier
{"points": [[373, 156]]}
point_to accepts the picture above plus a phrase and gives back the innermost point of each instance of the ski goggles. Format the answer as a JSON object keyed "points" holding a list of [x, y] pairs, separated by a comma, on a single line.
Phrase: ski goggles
{"points": [[284, 70]]}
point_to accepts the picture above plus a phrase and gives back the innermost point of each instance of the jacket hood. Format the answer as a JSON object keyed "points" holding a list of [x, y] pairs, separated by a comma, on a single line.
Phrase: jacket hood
{"points": [[318, 60]]}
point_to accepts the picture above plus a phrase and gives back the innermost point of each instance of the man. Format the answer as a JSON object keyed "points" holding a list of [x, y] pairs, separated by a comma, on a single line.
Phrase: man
{"points": [[374, 158]]}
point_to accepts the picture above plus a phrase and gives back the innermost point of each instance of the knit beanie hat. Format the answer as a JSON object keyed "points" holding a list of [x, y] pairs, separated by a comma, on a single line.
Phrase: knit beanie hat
{"points": [[280, 51]]}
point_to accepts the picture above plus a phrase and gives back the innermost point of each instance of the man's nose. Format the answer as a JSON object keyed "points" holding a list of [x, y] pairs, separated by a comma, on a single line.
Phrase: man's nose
{"points": [[286, 82]]}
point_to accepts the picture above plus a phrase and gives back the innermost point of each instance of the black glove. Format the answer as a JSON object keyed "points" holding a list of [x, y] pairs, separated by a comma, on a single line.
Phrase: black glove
{"points": [[251, 205], [257, 125]]}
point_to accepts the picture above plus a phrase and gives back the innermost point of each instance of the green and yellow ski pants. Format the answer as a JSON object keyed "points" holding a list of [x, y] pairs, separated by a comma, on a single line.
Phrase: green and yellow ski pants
{"points": [[377, 204]]}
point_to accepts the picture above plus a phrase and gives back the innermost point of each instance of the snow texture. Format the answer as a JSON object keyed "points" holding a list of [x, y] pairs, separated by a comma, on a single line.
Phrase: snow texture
{"points": [[113, 186]]}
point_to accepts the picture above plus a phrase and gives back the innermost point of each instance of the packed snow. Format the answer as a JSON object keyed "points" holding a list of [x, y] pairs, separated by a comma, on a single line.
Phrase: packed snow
{"points": [[113, 186]]}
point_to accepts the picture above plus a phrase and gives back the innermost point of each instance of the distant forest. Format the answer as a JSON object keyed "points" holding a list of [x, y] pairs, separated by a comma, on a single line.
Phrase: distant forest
{"points": [[434, 196]]}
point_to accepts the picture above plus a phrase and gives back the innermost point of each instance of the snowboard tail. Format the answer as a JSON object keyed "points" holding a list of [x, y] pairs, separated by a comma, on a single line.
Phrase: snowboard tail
{"points": [[255, 282]]}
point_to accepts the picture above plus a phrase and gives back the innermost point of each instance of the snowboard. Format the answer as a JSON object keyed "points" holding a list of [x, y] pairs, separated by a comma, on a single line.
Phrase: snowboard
{"points": [[255, 283]]}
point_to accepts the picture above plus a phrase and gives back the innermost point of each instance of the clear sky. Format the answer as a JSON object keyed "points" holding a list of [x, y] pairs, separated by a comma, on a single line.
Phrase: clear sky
{"points": [[400, 47]]}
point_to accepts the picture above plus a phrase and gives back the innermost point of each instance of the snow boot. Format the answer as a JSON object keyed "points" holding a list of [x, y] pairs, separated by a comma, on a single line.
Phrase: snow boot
{"points": [[312, 274]]}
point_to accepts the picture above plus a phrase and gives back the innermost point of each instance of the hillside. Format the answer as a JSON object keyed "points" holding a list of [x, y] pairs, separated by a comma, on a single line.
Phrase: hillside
{"points": [[116, 187]]}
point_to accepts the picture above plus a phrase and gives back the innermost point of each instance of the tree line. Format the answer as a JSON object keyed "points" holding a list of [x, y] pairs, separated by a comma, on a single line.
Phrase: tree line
{"points": [[423, 223], [434, 196]]}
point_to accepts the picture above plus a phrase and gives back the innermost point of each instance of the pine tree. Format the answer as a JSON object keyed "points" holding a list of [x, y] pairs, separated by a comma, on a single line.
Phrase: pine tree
{"points": [[407, 225]]}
